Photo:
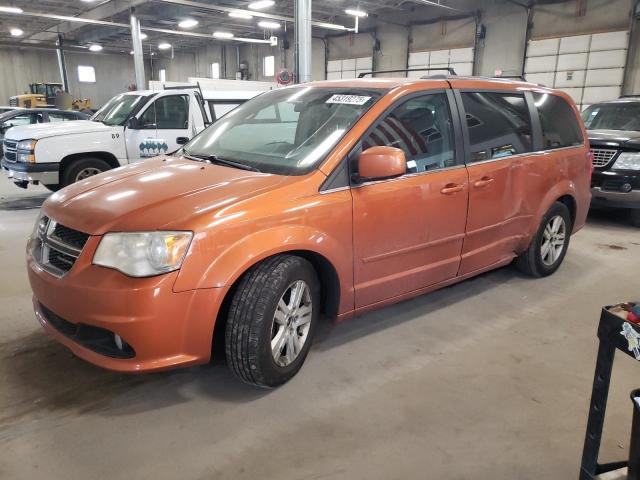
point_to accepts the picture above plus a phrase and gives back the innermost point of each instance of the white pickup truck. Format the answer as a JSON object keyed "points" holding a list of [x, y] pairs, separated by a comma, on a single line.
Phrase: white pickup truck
{"points": [[130, 127]]}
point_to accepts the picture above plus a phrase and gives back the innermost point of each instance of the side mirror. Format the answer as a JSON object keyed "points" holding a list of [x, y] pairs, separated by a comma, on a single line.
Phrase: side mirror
{"points": [[133, 123], [380, 163]]}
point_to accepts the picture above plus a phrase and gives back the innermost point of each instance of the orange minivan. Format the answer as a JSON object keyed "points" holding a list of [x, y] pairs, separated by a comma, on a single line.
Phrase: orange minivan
{"points": [[329, 198]]}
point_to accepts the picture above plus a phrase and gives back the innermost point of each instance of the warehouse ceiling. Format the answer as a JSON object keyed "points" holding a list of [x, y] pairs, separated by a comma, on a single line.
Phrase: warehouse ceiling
{"points": [[43, 28]]}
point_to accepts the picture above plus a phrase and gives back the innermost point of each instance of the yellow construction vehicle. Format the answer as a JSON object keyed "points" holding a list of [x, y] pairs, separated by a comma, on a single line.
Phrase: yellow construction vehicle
{"points": [[44, 95]]}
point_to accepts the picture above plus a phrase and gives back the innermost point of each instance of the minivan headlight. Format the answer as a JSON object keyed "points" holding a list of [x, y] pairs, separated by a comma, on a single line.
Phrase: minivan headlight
{"points": [[627, 161], [143, 254]]}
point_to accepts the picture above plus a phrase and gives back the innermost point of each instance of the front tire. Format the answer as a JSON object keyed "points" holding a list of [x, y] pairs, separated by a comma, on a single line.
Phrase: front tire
{"points": [[634, 215], [550, 243], [272, 319], [82, 169], [52, 187]]}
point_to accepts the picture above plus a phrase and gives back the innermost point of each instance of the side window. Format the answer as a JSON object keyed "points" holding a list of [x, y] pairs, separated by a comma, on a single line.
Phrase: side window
{"points": [[167, 113], [220, 109], [422, 127], [499, 125], [57, 117], [24, 119], [559, 124]]}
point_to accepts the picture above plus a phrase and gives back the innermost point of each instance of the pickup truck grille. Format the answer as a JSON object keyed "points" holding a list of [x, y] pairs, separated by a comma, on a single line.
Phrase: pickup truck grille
{"points": [[13, 102], [10, 150], [56, 247], [602, 156]]}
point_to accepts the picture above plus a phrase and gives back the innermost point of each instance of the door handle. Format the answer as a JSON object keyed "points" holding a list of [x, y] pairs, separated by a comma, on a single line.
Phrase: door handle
{"points": [[451, 188], [182, 140], [483, 182]]}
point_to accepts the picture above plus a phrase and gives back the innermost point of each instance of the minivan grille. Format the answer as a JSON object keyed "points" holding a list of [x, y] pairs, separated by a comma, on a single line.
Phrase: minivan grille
{"points": [[602, 156], [56, 247], [10, 150]]}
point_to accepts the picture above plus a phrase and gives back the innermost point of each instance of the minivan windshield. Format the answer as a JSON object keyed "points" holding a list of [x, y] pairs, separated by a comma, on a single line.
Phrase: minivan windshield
{"points": [[613, 116], [117, 110], [287, 131]]}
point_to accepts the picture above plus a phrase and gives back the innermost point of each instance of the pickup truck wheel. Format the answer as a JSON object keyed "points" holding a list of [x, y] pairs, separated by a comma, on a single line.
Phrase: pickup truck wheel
{"points": [[549, 246], [271, 320], [52, 188], [635, 217], [82, 169]]}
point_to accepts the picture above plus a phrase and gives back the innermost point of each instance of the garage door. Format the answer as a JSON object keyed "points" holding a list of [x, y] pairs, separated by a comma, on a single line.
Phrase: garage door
{"points": [[590, 68], [460, 59], [348, 68]]}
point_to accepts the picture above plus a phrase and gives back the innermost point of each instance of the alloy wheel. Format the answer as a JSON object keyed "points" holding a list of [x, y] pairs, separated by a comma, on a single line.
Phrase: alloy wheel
{"points": [[291, 323], [553, 240]]}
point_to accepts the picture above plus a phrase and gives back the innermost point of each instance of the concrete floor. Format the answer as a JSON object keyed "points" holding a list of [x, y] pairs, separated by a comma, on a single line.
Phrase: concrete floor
{"points": [[488, 379]]}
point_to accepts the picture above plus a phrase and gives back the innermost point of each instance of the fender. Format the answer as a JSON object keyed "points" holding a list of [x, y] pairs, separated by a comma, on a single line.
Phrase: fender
{"points": [[238, 257], [560, 189]]}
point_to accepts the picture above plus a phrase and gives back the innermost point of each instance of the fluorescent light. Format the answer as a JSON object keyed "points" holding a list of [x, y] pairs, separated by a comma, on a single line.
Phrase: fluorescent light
{"points": [[269, 25], [223, 34], [261, 4], [143, 36], [164, 46], [95, 48], [16, 32], [243, 15], [131, 52], [355, 13], [188, 23], [252, 40], [11, 10]]}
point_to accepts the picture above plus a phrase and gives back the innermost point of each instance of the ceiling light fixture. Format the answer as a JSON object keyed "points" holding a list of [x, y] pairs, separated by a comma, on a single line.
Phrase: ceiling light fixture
{"points": [[95, 48], [226, 35], [269, 25], [143, 36], [261, 4], [16, 32], [356, 13], [245, 16], [164, 46], [188, 23], [11, 10]]}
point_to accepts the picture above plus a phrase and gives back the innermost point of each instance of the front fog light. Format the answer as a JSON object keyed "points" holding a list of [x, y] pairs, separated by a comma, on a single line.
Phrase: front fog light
{"points": [[143, 254]]}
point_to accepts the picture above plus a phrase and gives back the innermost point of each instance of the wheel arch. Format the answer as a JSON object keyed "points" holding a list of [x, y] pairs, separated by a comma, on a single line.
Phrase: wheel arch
{"points": [[563, 192], [108, 157]]}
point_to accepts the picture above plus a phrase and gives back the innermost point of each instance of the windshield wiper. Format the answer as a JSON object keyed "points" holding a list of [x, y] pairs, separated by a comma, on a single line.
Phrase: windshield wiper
{"points": [[219, 161]]}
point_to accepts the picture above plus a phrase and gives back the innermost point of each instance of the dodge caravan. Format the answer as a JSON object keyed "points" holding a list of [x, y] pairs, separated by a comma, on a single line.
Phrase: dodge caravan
{"points": [[321, 200]]}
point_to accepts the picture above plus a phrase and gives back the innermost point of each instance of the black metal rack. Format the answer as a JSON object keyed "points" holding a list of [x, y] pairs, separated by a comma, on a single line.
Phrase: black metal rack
{"points": [[614, 334]]}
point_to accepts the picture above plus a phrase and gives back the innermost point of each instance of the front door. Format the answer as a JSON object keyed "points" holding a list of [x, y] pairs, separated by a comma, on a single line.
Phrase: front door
{"points": [[499, 137], [163, 126], [408, 231]]}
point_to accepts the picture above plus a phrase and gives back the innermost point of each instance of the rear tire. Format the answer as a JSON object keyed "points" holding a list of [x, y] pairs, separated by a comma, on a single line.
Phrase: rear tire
{"points": [[549, 245], [269, 328], [83, 168], [634, 215]]}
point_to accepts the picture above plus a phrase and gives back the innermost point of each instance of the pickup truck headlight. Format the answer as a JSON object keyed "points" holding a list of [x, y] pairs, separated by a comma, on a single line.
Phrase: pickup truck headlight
{"points": [[25, 151], [143, 254], [627, 161]]}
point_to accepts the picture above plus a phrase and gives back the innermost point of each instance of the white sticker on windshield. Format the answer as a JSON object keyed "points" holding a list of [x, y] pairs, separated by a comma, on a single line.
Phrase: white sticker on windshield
{"points": [[349, 99]]}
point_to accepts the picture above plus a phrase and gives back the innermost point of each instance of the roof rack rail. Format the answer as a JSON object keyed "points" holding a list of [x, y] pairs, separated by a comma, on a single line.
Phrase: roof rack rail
{"points": [[405, 70], [512, 77], [180, 87]]}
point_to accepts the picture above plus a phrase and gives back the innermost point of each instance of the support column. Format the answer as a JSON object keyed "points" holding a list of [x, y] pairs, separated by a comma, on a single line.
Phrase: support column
{"points": [[62, 65], [138, 59], [303, 40]]}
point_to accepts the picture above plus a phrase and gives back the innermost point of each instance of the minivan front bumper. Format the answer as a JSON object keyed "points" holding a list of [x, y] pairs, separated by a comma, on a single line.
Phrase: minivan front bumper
{"points": [[83, 308]]}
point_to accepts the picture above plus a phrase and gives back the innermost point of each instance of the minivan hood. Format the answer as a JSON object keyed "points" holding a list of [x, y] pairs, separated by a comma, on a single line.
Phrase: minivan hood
{"points": [[44, 130], [162, 193], [615, 138]]}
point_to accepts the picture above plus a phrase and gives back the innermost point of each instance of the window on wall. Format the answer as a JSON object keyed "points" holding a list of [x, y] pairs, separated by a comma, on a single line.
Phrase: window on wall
{"points": [[162, 75], [269, 66], [215, 70], [499, 125], [86, 74]]}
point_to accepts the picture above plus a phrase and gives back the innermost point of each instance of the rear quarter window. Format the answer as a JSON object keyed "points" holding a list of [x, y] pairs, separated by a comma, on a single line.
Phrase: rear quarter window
{"points": [[560, 126]]}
